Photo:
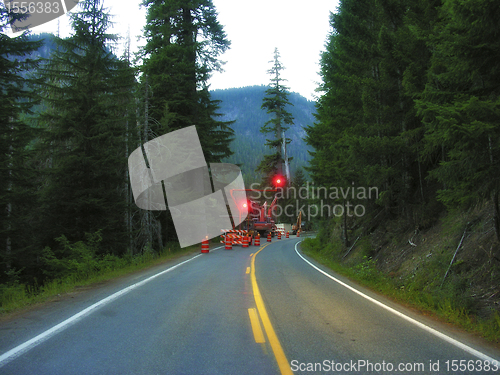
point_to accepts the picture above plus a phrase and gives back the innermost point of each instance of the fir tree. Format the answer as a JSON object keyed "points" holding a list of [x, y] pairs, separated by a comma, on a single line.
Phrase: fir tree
{"points": [[86, 91], [460, 104], [299, 179], [16, 174], [184, 42], [367, 132], [275, 103]]}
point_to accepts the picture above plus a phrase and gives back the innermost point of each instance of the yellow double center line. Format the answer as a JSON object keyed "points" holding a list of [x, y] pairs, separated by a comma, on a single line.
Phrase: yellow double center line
{"points": [[271, 335]]}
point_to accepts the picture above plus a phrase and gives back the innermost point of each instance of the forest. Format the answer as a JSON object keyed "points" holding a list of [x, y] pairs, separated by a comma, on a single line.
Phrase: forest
{"points": [[72, 112], [408, 104]]}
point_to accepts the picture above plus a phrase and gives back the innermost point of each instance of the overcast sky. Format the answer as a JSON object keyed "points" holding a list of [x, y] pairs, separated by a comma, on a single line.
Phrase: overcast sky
{"points": [[297, 28]]}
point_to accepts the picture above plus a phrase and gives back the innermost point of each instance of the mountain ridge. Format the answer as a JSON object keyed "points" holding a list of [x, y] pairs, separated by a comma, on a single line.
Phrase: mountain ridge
{"points": [[243, 105]]}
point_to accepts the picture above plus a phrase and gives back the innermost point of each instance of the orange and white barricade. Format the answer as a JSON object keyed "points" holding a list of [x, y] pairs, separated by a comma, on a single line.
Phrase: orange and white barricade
{"points": [[236, 236]]}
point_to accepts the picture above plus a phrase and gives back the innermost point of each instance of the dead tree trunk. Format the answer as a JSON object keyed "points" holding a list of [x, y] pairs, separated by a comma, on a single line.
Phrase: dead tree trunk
{"points": [[149, 218]]}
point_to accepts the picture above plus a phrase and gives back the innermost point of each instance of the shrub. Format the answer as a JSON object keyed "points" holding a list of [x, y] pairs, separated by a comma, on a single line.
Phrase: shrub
{"points": [[77, 259]]}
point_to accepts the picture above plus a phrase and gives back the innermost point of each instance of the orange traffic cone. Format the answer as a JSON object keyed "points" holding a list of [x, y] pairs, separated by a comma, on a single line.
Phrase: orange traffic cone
{"points": [[229, 243], [279, 235], [257, 240], [269, 237], [287, 234], [204, 246], [298, 233], [245, 241]]}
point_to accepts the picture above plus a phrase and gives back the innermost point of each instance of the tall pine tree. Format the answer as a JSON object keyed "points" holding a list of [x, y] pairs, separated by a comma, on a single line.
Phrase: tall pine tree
{"points": [[461, 104], [367, 131], [275, 103], [86, 91], [16, 174], [183, 43]]}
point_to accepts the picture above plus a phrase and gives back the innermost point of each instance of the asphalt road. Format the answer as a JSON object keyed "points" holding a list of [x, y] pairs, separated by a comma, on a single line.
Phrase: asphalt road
{"points": [[234, 312]]}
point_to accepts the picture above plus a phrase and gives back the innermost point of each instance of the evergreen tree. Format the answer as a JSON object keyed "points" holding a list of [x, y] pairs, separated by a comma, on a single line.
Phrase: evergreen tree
{"points": [[86, 90], [184, 42], [299, 179], [294, 198], [16, 174], [347, 103], [460, 104], [243, 105], [275, 103], [367, 131]]}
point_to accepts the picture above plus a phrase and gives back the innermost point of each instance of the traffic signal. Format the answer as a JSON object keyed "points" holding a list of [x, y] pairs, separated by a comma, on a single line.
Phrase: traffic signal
{"points": [[245, 205], [279, 181]]}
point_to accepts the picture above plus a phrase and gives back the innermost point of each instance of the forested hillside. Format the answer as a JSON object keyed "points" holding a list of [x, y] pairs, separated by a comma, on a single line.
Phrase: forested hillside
{"points": [[71, 114], [410, 105], [243, 106]]}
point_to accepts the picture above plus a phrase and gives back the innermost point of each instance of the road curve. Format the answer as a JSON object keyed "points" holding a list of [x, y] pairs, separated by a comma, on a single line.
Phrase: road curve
{"points": [[202, 316], [325, 327]]}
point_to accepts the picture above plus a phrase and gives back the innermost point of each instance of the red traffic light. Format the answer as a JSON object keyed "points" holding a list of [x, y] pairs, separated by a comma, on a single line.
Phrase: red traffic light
{"points": [[279, 181]]}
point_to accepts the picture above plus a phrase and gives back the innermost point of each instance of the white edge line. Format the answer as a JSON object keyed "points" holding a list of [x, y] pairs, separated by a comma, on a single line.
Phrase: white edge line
{"points": [[24, 347], [442, 336]]}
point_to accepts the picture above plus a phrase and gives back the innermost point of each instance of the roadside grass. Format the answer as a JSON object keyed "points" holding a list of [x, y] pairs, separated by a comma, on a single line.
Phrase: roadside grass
{"points": [[17, 296], [423, 292]]}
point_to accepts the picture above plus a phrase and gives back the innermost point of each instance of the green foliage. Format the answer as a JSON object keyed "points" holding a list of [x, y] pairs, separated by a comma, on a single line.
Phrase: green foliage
{"points": [[366, 270], [410, 104], [275, 103], [64, 159], [80, 261], [366, 131], [460, 104], [76, 259], [299, 179], [183, 43], [87, 91], [89, 269], [366, 248], [17, 174], [325, 243]]}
